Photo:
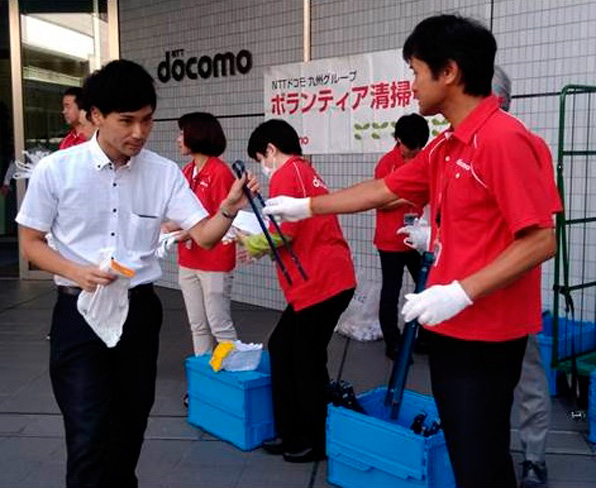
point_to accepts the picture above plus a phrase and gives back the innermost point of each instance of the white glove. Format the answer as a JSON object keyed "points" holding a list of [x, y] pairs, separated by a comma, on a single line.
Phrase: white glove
{"points": [[418, 236], [436, 304], [289, 209], [166, 242]]}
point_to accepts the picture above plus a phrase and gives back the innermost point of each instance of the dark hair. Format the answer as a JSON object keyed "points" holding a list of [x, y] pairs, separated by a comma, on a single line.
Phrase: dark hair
{"points": [[277, 132], [77, 93], [443, 38], [202, 133], [412, 131], [120, 86]]}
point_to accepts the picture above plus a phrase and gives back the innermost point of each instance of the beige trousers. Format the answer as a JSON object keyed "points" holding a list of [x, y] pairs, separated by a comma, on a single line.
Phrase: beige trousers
{"points": [[207, 296]]}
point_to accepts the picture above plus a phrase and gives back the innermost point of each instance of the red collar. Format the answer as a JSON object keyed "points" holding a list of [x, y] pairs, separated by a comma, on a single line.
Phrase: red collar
{"points": [[476, 119]]}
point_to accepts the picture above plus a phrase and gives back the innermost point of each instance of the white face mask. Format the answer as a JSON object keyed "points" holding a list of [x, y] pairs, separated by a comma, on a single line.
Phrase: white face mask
{"points": [[266, 170]]}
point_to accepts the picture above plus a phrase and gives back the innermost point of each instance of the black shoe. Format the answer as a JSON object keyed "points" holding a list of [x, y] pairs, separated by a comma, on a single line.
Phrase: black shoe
{"points": [[308, 455], [534, 475], [185, 400], [274, 446]]}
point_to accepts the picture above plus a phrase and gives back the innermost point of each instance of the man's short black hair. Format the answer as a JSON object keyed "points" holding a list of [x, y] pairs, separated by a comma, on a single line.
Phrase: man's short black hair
{"points": [[443, 38], [77, 93], [277, 132], [202, 133], [412, 131], [120, 86]]}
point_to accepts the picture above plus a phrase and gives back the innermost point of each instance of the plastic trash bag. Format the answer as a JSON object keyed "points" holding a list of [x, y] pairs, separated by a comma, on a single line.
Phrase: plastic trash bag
{"points": [[236, 356], [360, 320], [106, 308]]}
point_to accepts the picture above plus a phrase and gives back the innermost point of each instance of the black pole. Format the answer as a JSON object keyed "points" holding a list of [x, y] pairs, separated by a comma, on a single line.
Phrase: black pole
{"points": [[401, 365]]}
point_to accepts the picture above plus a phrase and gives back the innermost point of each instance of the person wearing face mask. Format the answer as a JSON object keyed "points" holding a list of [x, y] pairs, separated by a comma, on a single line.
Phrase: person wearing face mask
{"points": [[411, 135], [298, 345], [205, 276]]}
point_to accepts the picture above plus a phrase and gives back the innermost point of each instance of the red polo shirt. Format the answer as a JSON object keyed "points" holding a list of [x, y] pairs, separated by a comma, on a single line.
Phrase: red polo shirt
{"points": [[71, 139], [389, 221], [211, 185], [485, 181], [318, 242]]}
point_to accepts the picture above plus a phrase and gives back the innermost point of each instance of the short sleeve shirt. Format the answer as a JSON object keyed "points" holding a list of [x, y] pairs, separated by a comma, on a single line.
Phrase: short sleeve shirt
{"points": [[210, 185], [318, 242], [387, 222], [91, 206], [486, 181]]}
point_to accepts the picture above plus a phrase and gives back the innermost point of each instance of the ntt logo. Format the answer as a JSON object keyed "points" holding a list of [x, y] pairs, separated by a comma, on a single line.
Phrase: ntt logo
{"points": [[175, 66]]}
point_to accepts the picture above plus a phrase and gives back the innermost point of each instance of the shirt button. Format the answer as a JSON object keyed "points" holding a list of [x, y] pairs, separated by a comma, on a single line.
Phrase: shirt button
{"points": [[112, 234], [457, 175], [114, 210], [114, 184], [447, 158]]}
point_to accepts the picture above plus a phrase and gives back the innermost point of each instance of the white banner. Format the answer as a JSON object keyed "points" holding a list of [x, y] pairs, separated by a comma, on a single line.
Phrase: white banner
{"points": [[342, 105]]}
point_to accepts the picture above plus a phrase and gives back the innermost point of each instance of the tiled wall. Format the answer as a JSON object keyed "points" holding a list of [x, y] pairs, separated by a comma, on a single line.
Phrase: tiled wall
{"points": [[543, 45]]}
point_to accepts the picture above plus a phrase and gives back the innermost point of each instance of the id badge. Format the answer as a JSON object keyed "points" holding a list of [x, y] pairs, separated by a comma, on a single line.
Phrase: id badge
{"points": [[410, 218], [437, 247]]}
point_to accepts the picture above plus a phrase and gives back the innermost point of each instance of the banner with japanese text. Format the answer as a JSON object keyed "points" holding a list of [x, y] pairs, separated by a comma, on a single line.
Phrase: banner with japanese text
{"points": [[342, 105]]}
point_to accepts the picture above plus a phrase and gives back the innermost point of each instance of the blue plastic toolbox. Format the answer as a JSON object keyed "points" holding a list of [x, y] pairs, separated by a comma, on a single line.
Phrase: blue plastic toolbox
{"points": [[373, 451], [234, 406]]}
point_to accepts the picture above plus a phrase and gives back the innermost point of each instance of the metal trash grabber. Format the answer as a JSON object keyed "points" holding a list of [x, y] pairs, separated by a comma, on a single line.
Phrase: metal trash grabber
{"points": [[239, 170], [401, 365]]}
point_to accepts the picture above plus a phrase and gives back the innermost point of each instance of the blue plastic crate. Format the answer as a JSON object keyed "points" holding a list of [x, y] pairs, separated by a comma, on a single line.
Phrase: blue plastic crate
{"points": [[580, 335], [234, 406], [373, 451]]}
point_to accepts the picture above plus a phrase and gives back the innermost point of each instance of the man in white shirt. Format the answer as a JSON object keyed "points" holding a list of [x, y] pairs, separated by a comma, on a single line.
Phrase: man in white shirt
{"points": [[110, 194]]}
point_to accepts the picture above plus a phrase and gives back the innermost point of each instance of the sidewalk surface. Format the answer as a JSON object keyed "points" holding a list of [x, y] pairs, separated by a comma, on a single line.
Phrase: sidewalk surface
{"points": [[175, 454]]}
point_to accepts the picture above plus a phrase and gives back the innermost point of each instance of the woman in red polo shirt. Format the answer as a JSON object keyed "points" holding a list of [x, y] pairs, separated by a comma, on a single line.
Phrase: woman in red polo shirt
{"points": [[205, 276], [298, 345]]}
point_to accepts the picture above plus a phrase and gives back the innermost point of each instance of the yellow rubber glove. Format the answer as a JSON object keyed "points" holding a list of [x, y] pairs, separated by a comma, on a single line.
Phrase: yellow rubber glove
{"points": [[221, 351]]}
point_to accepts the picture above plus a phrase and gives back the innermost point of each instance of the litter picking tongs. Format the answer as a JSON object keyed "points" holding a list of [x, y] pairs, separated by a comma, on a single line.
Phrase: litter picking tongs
{"points": [[401, 365], [239, 170]]}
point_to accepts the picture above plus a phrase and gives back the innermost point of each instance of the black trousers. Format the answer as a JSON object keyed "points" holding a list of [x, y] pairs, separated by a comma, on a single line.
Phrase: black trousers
{"points": [[473, 385], [392, 269], [105, 394], [299, 377]]}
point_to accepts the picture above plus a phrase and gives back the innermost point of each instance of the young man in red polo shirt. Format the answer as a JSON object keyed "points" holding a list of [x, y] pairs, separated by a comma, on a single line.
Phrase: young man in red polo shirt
{"points": [[492, 226], [411, 135], [72, 103]]}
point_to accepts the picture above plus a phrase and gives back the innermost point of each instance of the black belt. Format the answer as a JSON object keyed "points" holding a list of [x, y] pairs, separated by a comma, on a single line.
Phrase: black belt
{"points": [[137, 290]]}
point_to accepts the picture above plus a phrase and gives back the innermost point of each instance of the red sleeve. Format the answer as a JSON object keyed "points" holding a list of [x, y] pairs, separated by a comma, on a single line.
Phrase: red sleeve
{"points": [[284, 182], [512, 173], [548, 174], [412, 180]]}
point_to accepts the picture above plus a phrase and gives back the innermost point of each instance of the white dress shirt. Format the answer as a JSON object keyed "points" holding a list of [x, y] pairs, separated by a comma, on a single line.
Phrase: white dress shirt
{"points": [[89, 206]]}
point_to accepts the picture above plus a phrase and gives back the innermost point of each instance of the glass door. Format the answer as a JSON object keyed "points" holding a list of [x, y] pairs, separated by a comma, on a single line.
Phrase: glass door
{"points": [[9, 256], [61, 42]]}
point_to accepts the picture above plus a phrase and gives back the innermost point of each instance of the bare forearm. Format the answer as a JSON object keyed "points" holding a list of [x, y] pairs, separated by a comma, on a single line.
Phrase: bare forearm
{"points": [[358, 198], [43, 256], [208, 232], [526, 252]]}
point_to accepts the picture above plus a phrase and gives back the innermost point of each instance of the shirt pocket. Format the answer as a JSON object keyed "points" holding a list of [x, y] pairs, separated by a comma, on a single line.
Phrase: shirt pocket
{"points": [[143, 232]]}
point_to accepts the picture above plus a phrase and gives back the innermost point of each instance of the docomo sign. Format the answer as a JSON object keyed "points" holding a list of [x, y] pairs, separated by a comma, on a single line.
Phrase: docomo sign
{"points": [[174, 66]]}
